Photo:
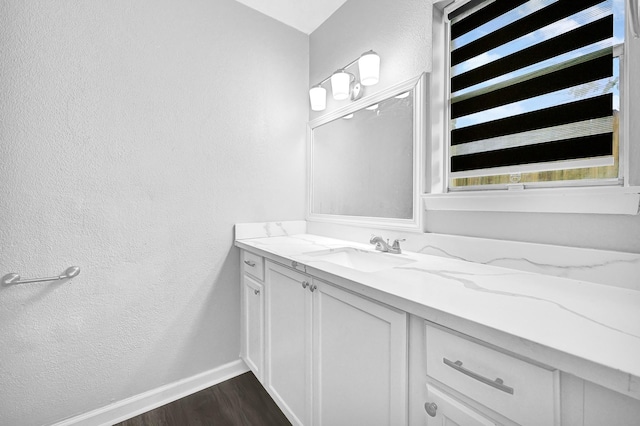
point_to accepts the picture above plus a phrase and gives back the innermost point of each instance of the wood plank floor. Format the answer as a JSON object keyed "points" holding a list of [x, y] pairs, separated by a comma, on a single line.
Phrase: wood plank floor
{"points": [[241, 401]]}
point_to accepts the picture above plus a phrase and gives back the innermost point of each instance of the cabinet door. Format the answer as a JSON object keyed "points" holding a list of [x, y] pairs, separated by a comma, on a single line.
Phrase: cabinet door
{"points": [[359, 360], [448, 411], [253, 326], [288, 346], [605, 407]]}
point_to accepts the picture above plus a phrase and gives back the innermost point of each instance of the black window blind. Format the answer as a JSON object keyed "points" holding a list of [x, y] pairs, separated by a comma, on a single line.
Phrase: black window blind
{"points": [[531, 85]]}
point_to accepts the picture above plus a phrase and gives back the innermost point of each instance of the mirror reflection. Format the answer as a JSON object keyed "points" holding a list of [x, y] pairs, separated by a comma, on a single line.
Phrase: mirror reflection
{"points": [[362, 163]]}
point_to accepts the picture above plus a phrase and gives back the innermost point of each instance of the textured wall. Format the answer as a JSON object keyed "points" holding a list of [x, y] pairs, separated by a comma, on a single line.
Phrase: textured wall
{"points": [[401, 33], [133, 135]]}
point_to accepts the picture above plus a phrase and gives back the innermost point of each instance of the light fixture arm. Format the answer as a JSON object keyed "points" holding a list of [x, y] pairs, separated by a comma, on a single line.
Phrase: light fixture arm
{"points": [[352, 76], [339, 69]]}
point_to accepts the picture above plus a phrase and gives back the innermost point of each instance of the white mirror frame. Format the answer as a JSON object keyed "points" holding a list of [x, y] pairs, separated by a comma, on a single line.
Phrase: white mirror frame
{"points": [[418, 85]]}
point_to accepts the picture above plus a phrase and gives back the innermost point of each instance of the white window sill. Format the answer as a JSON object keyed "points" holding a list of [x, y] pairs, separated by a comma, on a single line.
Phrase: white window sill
{"points": [[596, 200]]}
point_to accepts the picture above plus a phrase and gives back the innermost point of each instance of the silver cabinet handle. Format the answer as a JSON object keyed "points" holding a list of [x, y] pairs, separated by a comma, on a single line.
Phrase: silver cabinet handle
{"points": [[313, 287], [431, 408], [497, 383], [305, 284], [250, 263], [256, 292]]}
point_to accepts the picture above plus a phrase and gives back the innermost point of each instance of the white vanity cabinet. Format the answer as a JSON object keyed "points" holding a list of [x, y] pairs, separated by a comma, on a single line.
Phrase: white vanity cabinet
{"points": [[288, 329], [494, 388], [446, 410], [359, 360], [333, 357], [329, 354], [587, 404], [252, 313]]}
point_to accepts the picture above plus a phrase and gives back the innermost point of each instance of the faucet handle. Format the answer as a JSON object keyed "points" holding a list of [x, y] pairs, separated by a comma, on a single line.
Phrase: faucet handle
{"points": [[396, 245]]}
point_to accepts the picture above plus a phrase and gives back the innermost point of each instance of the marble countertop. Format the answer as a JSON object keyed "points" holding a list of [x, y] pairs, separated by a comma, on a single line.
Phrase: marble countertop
{"points": [[592, 322]]}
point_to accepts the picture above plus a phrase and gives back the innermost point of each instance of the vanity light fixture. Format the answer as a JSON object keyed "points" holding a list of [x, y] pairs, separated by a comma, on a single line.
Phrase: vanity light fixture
{"points": [[344, 84], [348, 116], [341, 84], [402, 95], [318, 98], [372, 107], [369, 66]]}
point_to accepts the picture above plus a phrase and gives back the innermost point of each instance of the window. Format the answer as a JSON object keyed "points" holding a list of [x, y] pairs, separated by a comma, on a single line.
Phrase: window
{"points": [[534, 93]]}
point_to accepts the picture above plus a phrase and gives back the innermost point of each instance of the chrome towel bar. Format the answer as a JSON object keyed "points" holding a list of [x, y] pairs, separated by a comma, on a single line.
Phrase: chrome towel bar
{"points": [[13, 278]]}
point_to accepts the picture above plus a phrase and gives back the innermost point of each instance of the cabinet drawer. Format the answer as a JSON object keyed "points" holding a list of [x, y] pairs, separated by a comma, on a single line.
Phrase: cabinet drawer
{"points": [[444, 409], [520, 391], [253, 264]]}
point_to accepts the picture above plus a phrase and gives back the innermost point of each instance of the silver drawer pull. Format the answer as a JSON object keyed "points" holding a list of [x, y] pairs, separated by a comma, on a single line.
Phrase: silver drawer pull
{"points": [[256, 292], [305, 284], [497, 383], [250, 263]]}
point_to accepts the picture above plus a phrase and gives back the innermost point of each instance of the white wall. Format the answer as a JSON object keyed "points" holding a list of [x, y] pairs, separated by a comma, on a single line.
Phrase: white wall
{"points": [[133, 135], [401, 33]]}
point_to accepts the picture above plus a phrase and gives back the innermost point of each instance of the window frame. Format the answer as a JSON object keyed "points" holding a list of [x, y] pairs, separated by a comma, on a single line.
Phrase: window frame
{"points": [[605, 197]]}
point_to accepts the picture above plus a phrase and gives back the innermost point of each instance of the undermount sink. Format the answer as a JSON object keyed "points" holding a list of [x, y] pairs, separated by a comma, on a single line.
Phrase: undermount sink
{"points": [[361, 260]]}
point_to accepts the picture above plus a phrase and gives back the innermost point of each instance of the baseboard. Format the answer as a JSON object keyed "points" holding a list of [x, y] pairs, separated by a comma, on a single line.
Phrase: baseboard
{"points": [[141, 403]]}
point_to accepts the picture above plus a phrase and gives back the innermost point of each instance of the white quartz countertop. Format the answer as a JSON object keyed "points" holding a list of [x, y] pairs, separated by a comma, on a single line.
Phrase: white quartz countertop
{"points": [[593, 322]]}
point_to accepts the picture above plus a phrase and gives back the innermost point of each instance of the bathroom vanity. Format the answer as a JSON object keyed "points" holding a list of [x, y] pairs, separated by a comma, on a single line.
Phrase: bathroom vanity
{"points": [[339, 333]]}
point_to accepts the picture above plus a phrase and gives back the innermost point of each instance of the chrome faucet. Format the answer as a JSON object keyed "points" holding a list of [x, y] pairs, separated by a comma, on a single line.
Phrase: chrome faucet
{"points": [[383, 246]]}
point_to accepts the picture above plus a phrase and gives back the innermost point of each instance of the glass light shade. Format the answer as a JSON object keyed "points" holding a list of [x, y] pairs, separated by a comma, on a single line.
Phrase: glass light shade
{"points": [[318, 98], [340, 82], [369, 66]]}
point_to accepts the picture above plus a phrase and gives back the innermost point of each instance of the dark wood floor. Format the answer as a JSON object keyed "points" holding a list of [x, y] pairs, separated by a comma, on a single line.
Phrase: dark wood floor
{"points": [[240, 401]]}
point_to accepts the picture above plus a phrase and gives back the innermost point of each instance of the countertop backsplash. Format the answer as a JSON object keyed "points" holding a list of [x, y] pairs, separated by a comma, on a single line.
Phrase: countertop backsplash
{"points": [[612, 268]]}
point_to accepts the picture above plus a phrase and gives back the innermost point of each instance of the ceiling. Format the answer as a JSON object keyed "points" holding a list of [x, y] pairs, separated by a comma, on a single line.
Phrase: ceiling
{"points": [[303, 15]]}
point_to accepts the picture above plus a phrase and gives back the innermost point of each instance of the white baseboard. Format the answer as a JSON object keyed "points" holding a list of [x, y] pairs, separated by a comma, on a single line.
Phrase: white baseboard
{"points": [[141, 403]]}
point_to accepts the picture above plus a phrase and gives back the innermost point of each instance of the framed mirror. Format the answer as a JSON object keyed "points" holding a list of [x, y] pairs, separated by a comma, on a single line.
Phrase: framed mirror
{"points": [[364, 159]]}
